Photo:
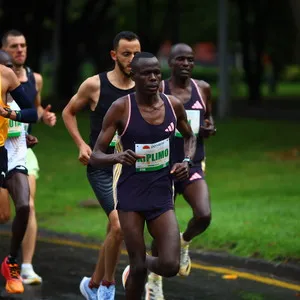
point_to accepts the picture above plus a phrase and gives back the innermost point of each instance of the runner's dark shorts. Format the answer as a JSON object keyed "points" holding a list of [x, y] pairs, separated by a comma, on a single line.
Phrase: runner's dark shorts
{"points": [[3, 165], [101, 180], [196, 173]]}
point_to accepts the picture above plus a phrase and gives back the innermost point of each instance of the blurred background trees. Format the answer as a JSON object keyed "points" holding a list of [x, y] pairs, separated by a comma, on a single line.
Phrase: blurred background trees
{"points": [[69, 40]]}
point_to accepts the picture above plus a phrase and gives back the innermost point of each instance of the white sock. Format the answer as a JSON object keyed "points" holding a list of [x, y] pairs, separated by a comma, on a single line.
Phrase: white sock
{"points": [[27, 266], [184, 243], [154, 276]]}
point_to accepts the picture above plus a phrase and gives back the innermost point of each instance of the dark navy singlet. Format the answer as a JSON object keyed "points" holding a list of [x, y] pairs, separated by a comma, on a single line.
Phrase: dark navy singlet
{"points": [[147, 185], [30, 88], [195, 109], [108, 94]]}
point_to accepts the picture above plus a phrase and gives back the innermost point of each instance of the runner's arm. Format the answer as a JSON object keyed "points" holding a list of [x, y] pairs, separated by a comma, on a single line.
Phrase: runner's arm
{"points": [[110, 123], [76, 104], [15, 89], [209, 120], [44, 114]]}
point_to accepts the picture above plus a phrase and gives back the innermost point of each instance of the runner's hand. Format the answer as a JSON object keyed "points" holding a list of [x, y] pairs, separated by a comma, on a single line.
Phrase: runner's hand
{"points": [[31, 141], [207, 130], [128, 157], [181, 170], [49, 118], [85, 152], [3, 112]]}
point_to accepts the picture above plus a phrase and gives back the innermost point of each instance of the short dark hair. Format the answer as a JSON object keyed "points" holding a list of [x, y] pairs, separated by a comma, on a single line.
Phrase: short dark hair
{"points": [[126, 35], [12, 32], [137, 57]]}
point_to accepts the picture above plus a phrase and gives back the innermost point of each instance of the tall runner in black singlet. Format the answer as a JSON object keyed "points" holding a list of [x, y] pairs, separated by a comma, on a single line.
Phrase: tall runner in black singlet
{"points": [[143, 173], [99, 92], [14, 43], [195, 96]]}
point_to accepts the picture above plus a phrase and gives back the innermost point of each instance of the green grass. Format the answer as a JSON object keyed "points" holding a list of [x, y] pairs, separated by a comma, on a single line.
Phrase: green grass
{"points": [[255, 197]]}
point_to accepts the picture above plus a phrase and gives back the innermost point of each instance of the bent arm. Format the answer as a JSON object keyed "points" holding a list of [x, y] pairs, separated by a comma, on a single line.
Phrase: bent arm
{"points": [[205, 87], [76, 104], [110, 123]]}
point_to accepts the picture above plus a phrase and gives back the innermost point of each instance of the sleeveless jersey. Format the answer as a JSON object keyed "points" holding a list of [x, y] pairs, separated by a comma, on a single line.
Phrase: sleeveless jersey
{"points": [[30, 89], [3, 121], [16, 142], [195, 109], [147, 185], [108, 94]]}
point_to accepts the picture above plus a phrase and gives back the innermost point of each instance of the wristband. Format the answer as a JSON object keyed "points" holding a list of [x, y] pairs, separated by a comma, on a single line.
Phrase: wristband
{"points": [[188, 160]]}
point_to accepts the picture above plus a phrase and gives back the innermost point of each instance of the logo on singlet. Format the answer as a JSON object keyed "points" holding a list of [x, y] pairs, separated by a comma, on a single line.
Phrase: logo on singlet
{"points": [[170, 128], [197, 105]]}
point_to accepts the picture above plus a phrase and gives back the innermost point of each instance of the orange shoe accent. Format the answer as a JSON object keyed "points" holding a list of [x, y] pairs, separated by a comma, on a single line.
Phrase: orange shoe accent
{"points": [[11, 272]]}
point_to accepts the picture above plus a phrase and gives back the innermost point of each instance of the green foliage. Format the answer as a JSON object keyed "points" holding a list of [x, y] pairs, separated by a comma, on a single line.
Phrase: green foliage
{"points": [[291, 74], [252, 186]]}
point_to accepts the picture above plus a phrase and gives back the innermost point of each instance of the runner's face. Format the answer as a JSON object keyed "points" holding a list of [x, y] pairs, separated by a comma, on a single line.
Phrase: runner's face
{"points": [[16, 47], [124, 54], [183, 63], [148, 75]]}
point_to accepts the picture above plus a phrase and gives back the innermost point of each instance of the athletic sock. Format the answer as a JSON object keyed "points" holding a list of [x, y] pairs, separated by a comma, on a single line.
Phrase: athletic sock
{"points": [[93, 285], [107, 283]]}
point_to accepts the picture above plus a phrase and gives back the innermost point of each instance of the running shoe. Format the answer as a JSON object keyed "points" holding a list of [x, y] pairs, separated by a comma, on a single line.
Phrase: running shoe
{"points": [[125, 275], [86, 291], [29, 276], [11, 272], [154, 288], [185, 260], [106, 293]]}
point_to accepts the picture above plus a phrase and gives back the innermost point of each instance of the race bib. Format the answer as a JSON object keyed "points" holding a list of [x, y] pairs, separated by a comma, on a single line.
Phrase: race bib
{"points": [[193, 117], [14, 128], [157, 156], [114, 140]]}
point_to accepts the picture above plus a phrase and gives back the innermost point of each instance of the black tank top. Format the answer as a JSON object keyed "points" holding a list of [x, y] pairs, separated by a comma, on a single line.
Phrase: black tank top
{"points": [[30, 89], [195, 109], [155, 140], [108, 94]]}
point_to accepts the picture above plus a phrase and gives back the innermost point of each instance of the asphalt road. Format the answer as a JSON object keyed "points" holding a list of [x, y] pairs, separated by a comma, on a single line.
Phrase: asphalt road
{"points": [[63, 263]]}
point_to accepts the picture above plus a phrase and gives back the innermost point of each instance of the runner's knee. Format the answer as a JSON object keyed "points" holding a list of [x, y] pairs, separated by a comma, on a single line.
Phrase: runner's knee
{"points": [[169, 267], [22, 211], [116, 231], [203, 219]]}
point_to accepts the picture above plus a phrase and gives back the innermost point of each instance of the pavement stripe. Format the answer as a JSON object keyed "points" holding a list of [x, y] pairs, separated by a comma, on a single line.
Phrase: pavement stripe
{"points": [[220, 270], [245, 275]]}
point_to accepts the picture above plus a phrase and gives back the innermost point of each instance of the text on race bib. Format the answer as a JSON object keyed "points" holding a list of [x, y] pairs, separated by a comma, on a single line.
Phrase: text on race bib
{"points": [[14, 128], [193, 117], [157, 156]]}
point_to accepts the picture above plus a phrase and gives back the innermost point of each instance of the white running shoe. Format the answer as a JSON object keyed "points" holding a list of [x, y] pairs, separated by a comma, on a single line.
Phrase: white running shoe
{"points": [[185, 260], [154, 288], [29, 276], [125, 275]]}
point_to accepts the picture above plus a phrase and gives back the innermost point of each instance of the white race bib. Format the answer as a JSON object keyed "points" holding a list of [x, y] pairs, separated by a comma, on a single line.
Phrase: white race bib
{"points": [[157, 156], [193, 117], [14, 128]]}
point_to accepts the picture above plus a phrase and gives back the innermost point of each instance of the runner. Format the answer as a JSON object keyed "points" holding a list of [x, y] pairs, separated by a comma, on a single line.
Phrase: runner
{"points": [[146, 123]]}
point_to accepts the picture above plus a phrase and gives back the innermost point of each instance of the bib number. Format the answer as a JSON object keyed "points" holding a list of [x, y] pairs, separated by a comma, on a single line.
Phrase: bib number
{"points": [[14, 128], [193, 117], [157, 156]]}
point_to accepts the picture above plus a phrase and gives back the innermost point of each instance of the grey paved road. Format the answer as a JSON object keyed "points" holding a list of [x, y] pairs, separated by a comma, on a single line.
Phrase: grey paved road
{"points": [[63, 266]]}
